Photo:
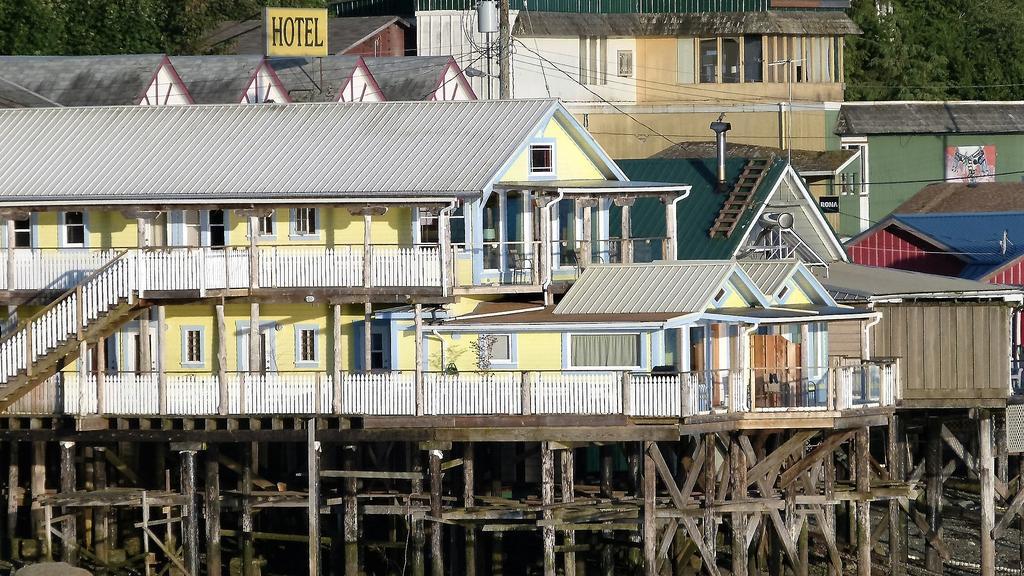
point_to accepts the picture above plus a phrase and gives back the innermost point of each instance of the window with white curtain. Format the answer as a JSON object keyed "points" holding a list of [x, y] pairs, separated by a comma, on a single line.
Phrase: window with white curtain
{"points": [[604, 350]]}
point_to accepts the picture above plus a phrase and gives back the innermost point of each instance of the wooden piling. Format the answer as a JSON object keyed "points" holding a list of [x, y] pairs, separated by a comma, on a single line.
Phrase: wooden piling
{"points": [[313, 473], [350, 508], [547, 498], [649, 526], [37, 488], [568, 460], [417, 538], [468, 501], [607, 557], [933, 476], [212, 513], [986, 477], [12, 503], [896, 460], [190, 511], [436, 527], [738, 470], [247, 544], [68, 484], [862, 447]]}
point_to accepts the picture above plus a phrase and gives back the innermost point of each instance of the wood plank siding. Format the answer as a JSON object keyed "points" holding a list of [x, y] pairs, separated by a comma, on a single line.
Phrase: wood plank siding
{"points": [[893, 247], [845, 339], [947, 351]]}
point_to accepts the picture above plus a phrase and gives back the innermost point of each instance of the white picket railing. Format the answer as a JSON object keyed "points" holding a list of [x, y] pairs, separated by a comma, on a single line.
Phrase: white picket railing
{"points": [[39, 269], [472, 393], [383, 394], [576, 392], [59, 321], [640, 395]]}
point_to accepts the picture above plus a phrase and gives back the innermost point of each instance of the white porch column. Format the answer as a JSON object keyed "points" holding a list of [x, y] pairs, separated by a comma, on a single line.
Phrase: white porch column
{"points": [[670, 244], [586, 246]]}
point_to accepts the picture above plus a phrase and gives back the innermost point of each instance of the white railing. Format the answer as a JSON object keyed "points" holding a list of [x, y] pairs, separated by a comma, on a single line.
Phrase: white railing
{"points": [[576, 392], [39, 269], [472, 393], [66, 316], [659, 395], [382, 394]]}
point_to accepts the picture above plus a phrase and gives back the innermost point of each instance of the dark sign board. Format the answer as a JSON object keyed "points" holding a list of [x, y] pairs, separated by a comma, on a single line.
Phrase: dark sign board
{"points": [[829, 204]]}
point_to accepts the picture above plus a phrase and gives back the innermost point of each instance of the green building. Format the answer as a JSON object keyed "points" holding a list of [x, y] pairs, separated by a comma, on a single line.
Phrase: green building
{"points": [[906, 145]]}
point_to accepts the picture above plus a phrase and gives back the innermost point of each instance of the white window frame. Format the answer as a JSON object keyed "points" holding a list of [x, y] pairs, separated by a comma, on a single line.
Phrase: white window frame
{"points": [[299, 361], [550, 173], [618, 63], [260, 220], [31, 231], [640, 351], [63, 233], [295, 233], [185, 361], [513, 352]]}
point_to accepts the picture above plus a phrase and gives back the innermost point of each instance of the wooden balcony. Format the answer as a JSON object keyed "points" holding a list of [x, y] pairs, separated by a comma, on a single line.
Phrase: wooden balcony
{"points": [[638, 395]]}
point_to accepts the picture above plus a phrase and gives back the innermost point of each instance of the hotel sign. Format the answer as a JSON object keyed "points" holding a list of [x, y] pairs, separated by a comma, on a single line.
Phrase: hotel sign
{"points": [[295, 31]]}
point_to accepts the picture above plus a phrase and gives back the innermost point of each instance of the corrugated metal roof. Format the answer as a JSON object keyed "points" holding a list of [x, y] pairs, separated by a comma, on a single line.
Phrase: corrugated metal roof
{"points": [[573, 24], [408, 77], [930, 118], [854, 282], [260, 152], [81, 80], [975, 236], [216, 79], [698, 211], [659, 287], [768, 275]]}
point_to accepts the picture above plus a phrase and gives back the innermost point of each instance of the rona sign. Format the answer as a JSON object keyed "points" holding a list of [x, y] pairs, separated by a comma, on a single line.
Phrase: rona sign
{"points": [[295, 31]]}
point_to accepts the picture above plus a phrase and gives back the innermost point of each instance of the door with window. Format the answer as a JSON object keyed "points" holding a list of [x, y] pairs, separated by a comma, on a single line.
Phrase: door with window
{"points": [[266, 351], [380, 346]]}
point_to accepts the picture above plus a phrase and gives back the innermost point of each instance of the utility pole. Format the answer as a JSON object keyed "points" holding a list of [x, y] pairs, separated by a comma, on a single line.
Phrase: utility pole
{"points": [[504, 44]]}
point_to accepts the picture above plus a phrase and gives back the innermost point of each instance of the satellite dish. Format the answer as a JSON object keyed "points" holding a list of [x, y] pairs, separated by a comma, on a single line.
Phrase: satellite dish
{"points": [[782, 220]]}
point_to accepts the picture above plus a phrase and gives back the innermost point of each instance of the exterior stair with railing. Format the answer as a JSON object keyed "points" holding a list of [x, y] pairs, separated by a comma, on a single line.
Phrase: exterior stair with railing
{"points": [[94, 307]]}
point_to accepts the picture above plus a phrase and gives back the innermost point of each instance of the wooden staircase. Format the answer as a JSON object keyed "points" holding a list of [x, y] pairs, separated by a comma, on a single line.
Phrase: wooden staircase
{"points": [[740, 196], [42, 343]]}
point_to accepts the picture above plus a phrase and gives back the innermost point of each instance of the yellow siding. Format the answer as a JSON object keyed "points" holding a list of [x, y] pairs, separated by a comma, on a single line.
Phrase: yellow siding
{"points": [[571, 162], [287, 316], [540, 351], [796, 295]]}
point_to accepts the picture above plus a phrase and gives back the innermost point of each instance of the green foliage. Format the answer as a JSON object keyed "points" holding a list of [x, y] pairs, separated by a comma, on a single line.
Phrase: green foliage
{"points": [[75, 27], [936, 49]]}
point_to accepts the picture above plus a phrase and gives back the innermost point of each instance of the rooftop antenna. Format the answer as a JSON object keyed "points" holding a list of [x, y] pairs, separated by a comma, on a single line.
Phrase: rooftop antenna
{"points": [[790, 72], [1005, 243]]}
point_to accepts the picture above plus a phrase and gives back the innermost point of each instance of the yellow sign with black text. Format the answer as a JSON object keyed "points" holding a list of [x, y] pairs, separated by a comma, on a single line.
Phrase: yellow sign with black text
{"points": [[295, 31]]}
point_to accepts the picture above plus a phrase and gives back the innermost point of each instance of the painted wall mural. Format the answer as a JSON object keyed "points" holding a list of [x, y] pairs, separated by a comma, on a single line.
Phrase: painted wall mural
{"points": [[971, 163]]}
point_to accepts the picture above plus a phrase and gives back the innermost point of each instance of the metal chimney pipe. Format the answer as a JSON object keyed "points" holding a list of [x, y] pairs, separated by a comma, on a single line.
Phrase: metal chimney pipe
{"points": [[720, 128]]}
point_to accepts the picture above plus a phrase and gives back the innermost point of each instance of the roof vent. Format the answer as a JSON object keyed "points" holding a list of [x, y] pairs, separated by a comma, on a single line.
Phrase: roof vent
{"points": [[719, 127]]}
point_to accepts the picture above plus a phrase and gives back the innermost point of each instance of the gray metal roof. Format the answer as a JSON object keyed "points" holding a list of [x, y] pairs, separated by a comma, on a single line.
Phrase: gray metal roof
{"points": [[866, 118], [768, 275], [854, 282], [679, 287], [216, 79], [302, 76], [246, 36], [572, 24], [260, 153], [408, 77], [80, 80]]}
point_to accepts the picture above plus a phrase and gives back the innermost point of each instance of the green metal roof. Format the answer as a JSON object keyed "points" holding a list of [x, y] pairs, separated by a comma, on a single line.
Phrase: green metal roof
{"points": [[696, 214]]}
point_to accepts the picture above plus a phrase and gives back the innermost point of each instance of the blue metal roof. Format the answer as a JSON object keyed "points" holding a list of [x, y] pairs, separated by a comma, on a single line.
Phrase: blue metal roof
{"points": [[974, 236]]}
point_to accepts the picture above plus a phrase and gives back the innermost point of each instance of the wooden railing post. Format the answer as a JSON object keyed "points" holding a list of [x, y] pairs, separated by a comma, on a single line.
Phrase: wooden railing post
{"points": [[161, 375], [627, 394], [336, 399], [367, 250], [526, 393], [79, 313], [418, 343], [28, 348], [10, 253]]}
